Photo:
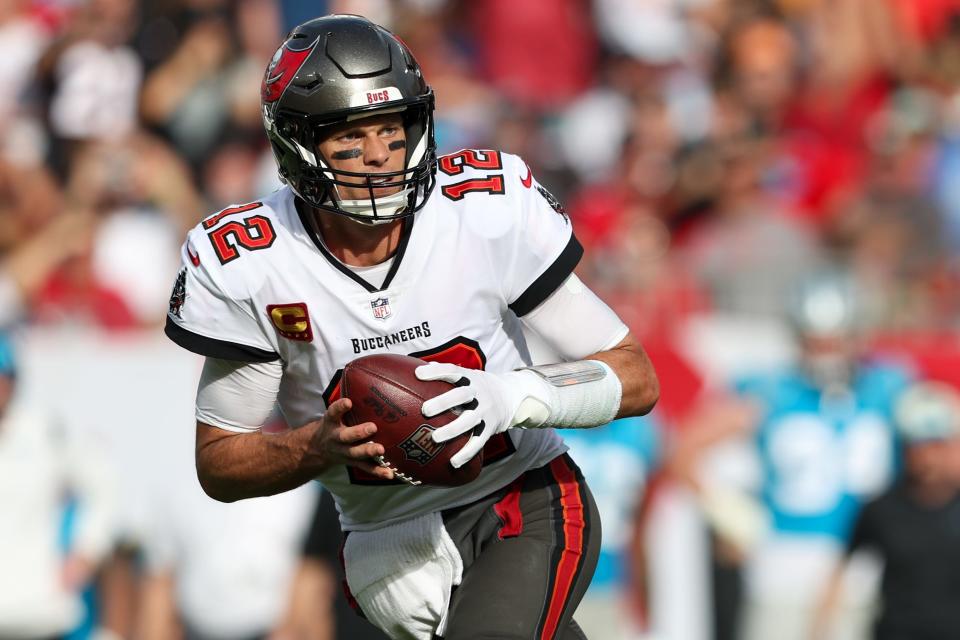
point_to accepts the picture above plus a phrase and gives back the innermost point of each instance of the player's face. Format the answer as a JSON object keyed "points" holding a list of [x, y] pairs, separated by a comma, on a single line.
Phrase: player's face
{"points": [[931, 462], [829, 359], [372, 145]]}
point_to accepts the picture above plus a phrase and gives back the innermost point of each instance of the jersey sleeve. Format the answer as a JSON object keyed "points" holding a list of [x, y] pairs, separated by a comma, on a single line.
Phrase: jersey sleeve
{"points": [[211, 313], [543, 250]]}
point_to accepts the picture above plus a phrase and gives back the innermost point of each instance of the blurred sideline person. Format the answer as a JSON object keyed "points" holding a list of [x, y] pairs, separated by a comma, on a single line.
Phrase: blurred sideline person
{"points": [[822, 436], [41, 467], [375, 245], [914, 527], [217, 571], [201, 586]]}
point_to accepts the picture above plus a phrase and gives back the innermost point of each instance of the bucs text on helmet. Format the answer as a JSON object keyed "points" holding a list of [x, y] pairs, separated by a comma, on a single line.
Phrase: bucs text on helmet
{"points": [[336, 69]]}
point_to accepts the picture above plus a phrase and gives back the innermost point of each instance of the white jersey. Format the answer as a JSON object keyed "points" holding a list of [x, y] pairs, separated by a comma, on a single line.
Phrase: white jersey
{"points": [[491, 244]]}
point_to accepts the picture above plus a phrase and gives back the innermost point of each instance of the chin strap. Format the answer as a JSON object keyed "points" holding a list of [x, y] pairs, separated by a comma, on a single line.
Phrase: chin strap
{"points": [[385, 206]]}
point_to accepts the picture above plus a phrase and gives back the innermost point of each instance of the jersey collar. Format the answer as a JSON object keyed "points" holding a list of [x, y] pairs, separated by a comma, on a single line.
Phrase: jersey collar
{"points": [[311, 231]]}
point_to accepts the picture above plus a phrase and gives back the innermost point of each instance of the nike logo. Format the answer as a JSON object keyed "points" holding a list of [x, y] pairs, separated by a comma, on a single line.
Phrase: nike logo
{"points": [[528, 180], [194, 258]]}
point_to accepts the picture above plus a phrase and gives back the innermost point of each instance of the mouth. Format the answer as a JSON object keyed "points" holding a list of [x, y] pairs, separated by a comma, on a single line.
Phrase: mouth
{"points": [[376, 186], [383, 186]]}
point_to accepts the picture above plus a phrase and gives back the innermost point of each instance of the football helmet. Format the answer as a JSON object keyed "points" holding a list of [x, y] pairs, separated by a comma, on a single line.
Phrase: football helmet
{"points": [[826, 304], [827, 317], [337, 69]]}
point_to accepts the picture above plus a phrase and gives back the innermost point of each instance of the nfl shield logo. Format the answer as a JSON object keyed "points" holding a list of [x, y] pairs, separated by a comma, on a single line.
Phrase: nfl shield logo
{"points": [[381, 308]]}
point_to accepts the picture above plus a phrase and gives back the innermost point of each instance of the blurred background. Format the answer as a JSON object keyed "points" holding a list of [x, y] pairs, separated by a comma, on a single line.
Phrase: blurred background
{"points": [[768, 192]]}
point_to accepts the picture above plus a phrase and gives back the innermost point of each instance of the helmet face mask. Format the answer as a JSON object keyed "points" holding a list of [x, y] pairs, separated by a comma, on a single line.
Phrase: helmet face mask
{"points": [[339, 69]]}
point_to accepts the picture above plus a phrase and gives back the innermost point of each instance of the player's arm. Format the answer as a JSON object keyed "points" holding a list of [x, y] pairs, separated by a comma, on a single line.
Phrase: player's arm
{"points": [[713, 419], [236, 460], [578, 326], [606, 375]]}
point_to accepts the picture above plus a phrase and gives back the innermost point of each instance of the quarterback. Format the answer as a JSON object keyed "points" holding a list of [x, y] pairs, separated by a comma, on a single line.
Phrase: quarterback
{"points": [[376, 245]]}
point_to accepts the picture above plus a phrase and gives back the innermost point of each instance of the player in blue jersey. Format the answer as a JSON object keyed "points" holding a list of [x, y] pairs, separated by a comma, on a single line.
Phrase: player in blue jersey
{"points": [[821, 432]]}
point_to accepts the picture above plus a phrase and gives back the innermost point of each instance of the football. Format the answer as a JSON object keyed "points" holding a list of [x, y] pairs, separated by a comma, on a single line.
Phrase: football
{"points": [[384, 390]]}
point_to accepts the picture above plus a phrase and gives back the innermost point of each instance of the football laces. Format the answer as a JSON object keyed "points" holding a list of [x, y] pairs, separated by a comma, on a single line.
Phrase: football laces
{"points": [[383, 462]]}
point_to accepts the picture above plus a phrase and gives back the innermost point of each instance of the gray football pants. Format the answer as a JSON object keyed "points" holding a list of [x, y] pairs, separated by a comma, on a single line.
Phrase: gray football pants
{"points": [[529, 552]]}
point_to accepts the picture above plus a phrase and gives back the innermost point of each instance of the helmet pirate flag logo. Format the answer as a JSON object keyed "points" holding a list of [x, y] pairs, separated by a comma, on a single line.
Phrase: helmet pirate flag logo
{"points": [[283, 67]]}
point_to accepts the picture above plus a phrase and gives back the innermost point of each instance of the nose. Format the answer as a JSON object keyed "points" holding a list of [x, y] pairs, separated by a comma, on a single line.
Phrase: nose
{"points": [[375, 151]]}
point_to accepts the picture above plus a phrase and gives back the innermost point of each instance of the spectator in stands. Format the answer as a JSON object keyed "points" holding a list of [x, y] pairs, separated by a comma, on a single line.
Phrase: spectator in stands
{"points": [[143, 197], [913, 527], [91, 52], [35, 238], [201, 93], [467, 115], [23, 39], [506, 32], [41, 466], [751, 250]]}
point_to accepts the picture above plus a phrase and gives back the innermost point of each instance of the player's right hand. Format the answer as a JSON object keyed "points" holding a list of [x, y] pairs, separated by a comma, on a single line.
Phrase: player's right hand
{"points": [[338, 443]]}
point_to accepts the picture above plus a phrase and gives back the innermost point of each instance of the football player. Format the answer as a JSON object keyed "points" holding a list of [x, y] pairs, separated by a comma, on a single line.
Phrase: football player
{"points": [[821, 431], [376, 245]]}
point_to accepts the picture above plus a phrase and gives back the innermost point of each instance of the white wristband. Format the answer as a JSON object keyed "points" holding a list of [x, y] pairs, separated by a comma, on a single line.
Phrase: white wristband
{"points": [[578, 394]]}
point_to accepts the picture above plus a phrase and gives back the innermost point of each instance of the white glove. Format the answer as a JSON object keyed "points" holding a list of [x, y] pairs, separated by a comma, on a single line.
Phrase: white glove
{"points": [[491, 403]]}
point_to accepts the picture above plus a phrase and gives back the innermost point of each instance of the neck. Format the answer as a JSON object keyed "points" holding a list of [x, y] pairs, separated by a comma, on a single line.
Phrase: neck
{"points": [[357, 244], [933, 493]]}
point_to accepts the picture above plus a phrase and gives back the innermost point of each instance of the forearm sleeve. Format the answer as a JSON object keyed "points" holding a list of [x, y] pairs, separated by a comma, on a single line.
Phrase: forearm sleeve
{"points": [[575, 324]]}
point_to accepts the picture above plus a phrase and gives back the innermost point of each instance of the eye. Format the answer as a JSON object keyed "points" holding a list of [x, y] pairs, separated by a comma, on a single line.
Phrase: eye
{"points": [[390, 131]]}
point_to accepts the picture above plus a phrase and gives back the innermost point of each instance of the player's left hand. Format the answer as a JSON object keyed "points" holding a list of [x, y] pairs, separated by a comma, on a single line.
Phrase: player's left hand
{"points": [[488, 402]]}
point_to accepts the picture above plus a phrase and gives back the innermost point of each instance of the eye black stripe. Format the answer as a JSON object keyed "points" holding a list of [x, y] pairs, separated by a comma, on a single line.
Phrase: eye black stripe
{"points": [[346, 154]]}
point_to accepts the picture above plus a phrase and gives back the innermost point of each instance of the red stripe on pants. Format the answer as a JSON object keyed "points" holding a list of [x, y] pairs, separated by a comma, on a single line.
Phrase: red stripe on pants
{"points": [[573, 540], [508, 510]]}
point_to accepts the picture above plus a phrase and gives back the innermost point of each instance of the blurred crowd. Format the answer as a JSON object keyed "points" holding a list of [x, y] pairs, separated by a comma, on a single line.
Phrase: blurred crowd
{"points": [[712, 154], [708, 151]]}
